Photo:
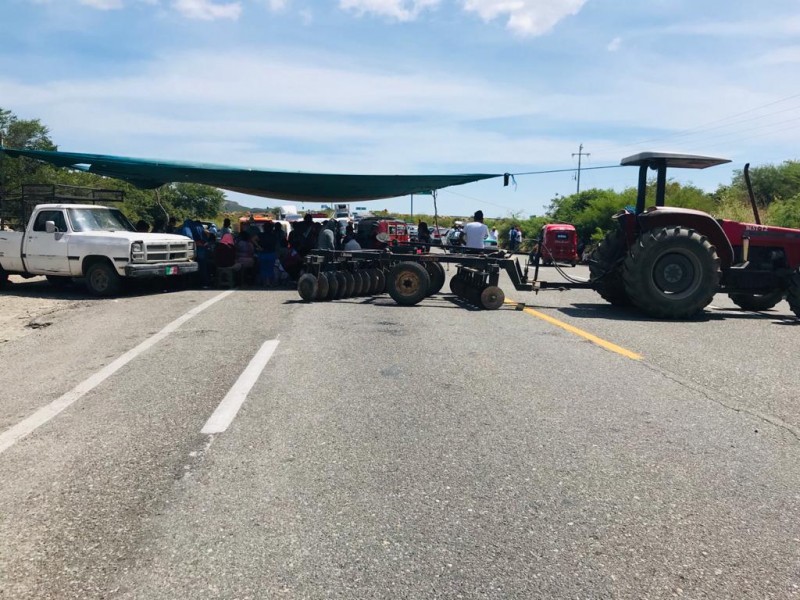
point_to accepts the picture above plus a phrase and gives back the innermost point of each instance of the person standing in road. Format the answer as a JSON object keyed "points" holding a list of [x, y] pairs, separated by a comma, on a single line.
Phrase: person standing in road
{"points": [[267, 252], [326, 239], [476, 232], [423, 233], [514, 238]]}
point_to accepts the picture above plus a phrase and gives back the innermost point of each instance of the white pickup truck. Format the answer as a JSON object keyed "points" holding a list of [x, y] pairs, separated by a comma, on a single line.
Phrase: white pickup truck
{"points": [[62, 241]]}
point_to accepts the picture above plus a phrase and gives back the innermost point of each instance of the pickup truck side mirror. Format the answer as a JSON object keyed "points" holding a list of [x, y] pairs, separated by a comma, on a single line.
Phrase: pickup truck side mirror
{"points": [[50, 227]]}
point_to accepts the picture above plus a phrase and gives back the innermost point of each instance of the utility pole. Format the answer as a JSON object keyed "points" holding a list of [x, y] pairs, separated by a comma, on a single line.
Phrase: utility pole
{"points": [[580, 153]]}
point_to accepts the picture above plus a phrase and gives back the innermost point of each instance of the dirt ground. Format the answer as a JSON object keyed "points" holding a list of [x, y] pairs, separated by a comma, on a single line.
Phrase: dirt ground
{"points": [[25, 306]]}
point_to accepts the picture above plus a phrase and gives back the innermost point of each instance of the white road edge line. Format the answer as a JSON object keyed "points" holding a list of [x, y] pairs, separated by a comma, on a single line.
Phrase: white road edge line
{"points": [[12, 435], [229, 407]]}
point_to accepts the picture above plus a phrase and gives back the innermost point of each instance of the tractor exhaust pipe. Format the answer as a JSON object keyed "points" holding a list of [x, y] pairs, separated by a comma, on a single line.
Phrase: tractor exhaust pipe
{"points": [[751, 194]]}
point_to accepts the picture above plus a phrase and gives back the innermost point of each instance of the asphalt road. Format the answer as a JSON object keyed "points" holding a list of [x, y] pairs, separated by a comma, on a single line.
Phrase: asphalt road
{"points": [[432, 451]]}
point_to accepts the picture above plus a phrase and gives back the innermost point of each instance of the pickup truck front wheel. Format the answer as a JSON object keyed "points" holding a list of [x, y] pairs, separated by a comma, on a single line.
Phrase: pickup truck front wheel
{"points": [[102, 279], [3, 278]]}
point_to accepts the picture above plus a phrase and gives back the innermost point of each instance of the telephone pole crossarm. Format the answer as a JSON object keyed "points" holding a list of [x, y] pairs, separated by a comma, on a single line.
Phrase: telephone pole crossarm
{"points": [[580, 154]]}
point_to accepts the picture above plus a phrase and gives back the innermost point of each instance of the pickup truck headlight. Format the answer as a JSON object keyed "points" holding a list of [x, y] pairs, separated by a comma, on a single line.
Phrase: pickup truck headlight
{"points": [[137, 251]]}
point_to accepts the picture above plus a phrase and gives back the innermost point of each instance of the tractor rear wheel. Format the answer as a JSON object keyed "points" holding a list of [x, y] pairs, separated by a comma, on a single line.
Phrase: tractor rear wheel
{"points": [[757, 302], [793, 295], [672, 273], [408, 283], [605, 268]]}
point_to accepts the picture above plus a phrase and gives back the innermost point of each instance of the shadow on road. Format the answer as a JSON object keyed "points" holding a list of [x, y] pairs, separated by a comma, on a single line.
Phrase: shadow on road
{"points": [[76, 290], [605, 311]]}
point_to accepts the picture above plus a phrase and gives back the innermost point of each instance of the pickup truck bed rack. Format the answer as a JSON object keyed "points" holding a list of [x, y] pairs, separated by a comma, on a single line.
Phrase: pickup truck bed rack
{"points": [[17, 206]]}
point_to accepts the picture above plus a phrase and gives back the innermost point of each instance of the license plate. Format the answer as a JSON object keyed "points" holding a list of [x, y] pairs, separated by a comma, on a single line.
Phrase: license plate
{"points": [[171, 271]]}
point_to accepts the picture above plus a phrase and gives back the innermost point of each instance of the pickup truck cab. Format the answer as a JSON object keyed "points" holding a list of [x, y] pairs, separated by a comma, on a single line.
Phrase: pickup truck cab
{"points": [[94, 242]]}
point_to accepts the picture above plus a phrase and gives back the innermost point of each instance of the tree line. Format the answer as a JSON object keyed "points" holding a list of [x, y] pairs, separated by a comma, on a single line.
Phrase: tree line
{"points": [[181, 200]]}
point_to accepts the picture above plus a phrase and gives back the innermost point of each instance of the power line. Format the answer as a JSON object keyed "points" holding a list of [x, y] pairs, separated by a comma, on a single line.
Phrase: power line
{"points": [[564, 170], [708, 125]]}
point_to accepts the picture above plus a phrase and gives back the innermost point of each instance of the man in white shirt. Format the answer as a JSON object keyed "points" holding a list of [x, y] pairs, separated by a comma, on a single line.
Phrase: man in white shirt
{"points": [[476, 232]]}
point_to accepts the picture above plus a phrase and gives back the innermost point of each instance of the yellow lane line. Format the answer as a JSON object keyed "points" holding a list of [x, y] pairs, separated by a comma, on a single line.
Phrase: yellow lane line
{"points": [[580, 332]]}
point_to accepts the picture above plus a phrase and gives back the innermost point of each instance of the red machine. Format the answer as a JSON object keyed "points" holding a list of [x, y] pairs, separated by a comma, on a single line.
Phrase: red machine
{"points": [[670, 262], [374, 232], [559, 243]]}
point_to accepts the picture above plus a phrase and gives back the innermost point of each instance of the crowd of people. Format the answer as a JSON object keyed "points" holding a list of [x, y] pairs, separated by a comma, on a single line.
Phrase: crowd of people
{"points": [[266, 254]]}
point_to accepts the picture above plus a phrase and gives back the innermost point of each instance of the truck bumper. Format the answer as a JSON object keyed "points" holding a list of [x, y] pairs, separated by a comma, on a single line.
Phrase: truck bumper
{"points": [[164, 269]]}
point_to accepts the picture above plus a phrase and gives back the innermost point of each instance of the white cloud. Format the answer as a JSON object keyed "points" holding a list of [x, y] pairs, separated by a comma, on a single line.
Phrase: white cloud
{"points": [[102, 4], [278, 5], [207, 10], [526, 17], [402, 10], [614, 44]]}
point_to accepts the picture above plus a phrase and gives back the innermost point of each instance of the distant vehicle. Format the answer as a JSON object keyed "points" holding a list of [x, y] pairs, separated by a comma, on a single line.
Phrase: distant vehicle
{"points": [[453, 237], [342, 211], [254, 219], [413, 231], [384, 231], [559, 243]]}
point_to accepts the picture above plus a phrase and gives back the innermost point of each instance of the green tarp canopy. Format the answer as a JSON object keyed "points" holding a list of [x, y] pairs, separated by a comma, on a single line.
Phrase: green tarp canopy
{"points": [[283, 185]]}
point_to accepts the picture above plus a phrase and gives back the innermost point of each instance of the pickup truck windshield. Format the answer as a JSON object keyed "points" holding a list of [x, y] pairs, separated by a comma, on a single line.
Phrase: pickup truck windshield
{"points": [[99, 219]]}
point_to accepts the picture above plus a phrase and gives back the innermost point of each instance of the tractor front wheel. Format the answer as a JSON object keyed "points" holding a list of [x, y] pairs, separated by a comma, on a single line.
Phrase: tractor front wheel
{"points": [[672, 273], [408, 283], [605, 268], [757, 302]]}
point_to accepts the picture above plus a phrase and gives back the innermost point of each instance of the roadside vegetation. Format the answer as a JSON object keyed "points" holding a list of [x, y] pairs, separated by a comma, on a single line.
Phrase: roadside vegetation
{"points": [[776, 188]]}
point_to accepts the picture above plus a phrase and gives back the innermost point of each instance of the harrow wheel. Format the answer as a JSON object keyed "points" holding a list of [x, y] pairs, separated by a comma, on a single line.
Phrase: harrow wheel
{"points": [[351, 283], [307, 287], [408, 283], [374, 282], [381, 281], [492, 297], [333, 285], [341, 282], [457, 285], [356, 283], [366, 283], [436, 271], [322, 287]]}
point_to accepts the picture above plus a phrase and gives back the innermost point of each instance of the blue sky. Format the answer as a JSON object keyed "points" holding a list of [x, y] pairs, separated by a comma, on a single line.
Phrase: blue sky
{"points": [[413, 86]]}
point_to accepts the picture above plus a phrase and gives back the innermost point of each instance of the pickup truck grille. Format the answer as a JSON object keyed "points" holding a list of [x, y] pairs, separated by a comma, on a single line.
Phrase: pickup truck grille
{"points": [[169, 251]]}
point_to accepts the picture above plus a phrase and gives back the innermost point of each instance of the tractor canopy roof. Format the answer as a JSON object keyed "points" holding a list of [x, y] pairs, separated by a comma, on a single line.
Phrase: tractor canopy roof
{"points": [[681, 161]]}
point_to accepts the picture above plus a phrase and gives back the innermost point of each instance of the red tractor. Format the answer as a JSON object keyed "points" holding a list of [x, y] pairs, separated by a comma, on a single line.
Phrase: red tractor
{"points": [[670, 262]]}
